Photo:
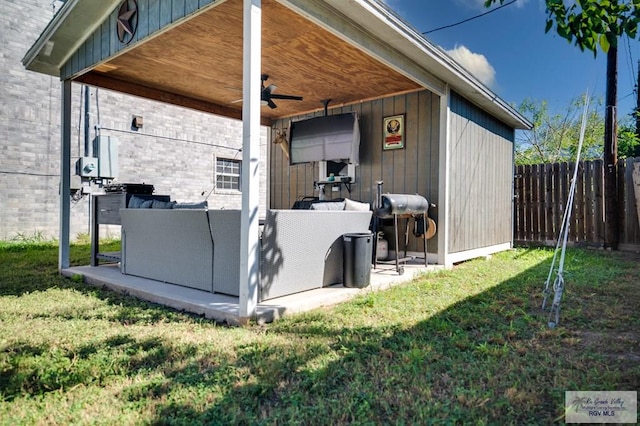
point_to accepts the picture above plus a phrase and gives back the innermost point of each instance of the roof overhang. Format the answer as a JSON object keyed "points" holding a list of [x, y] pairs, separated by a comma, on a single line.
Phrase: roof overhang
{"points": [[402, 37], [68, 29], [345, 50]]}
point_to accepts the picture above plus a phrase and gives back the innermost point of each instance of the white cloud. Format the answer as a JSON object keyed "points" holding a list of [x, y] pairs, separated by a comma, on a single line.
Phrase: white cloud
{"points": [[476, 63]]}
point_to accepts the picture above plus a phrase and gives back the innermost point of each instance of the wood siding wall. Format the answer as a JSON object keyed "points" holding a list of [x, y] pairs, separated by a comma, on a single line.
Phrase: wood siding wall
{"points": [[481, 178], [411, 170], [153, 15]]}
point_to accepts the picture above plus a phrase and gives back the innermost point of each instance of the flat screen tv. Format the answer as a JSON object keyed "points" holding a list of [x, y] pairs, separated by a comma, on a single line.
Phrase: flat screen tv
{"points": [[328, 138]]}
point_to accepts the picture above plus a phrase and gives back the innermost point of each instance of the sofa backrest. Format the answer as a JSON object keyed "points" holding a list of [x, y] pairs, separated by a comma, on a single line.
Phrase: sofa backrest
{"points": [[225, 231], [168, 245], [302, 249]]}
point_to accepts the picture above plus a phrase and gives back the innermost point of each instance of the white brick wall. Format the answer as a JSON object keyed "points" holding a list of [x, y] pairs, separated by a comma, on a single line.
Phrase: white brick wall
{"points": [[174, 151]]}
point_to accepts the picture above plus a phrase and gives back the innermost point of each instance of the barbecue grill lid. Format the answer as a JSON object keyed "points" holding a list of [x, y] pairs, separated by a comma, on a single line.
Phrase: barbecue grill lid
{"points": [[396, 204]]}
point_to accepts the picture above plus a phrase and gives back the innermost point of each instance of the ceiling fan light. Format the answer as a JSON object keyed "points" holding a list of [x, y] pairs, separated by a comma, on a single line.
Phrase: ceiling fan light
{"points": [[263, 102]]}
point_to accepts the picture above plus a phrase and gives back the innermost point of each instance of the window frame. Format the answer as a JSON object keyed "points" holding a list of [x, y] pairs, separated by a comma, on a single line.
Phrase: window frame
{"points": [[223, 173]]}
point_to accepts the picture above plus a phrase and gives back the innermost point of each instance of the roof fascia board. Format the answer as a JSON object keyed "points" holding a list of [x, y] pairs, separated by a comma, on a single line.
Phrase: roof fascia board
{"points": [[355, 34], [402, 37], [73, 73], [88, 15]]}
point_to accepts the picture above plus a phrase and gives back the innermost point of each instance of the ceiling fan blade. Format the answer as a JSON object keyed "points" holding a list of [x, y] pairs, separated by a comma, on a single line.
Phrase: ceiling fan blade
{"points": [[266, 94], [295, 98]]}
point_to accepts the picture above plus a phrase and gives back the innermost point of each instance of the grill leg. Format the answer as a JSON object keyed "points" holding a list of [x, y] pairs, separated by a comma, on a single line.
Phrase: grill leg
{"points": [[395, 232], [406, 235], [375, 242], [424, 239]]}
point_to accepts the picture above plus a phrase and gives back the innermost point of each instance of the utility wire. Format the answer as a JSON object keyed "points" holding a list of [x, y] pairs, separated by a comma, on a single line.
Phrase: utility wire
{"points": [[470, 19], [627, 95], [629, 61], [632, 70], [96, 128], [5, 172], [80, 102], [131, 132]]}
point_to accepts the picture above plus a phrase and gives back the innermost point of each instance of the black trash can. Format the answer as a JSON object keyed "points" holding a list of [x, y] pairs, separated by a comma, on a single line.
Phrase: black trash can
{"points": [[358, 248]]}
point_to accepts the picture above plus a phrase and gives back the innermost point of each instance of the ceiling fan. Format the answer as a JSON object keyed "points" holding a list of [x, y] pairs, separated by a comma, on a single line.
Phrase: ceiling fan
{"points": [[267, 95]]}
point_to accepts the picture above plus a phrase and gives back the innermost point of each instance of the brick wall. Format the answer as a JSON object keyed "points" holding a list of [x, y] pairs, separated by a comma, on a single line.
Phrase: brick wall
{"points": [[175, 150]]}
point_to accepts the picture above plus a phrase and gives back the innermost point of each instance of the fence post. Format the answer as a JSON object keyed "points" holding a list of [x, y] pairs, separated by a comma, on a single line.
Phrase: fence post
{"points": [[598, 189], [535, 202], [519, 207]]}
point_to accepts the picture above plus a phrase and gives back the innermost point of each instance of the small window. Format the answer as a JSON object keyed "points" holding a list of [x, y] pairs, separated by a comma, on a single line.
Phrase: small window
{"points": [[228, 174]]}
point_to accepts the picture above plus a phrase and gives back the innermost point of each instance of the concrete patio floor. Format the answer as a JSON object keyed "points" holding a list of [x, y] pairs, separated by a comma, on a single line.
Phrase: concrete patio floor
{"points": [[225, 308]]}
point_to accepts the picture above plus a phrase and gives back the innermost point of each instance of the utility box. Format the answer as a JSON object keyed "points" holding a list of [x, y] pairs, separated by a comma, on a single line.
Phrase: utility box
{"points": [[106, 149], [87, 167]]}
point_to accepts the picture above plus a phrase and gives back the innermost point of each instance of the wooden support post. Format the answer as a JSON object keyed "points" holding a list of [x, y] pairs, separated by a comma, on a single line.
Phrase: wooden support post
{"points": [[636, 186], [611, 215], [637, 111], [65, 177], [249, 243]]}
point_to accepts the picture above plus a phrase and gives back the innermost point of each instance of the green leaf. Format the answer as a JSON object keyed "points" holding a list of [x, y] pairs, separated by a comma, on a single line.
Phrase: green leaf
{"points": [[604, 43], [631, 27], [562, 31], [549, 25]]}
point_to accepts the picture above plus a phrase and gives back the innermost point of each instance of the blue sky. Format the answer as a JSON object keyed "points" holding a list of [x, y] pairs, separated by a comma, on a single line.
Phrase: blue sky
{"points": [[509, 51]]}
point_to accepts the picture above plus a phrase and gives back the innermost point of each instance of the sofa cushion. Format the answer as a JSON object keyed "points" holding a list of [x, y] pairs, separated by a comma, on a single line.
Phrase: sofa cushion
{"points": [[200, 205], [355, 205], [337, 205], [157, 204], [135, 202]]}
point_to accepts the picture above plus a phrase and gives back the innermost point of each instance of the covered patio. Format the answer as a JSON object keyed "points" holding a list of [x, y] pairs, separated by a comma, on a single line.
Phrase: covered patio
{"points": [[226, 309], [212, 55]]}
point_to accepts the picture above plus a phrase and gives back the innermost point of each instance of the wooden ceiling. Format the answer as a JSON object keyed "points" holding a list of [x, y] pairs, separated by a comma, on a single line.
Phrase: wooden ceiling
{"points": [[198, 64]]}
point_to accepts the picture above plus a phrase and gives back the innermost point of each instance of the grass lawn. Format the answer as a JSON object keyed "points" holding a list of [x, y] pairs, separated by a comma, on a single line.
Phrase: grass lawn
{"points": [[468, 345]]}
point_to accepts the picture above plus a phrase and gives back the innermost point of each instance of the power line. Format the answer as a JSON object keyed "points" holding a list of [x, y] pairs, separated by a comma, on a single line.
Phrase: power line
{"points": [[131, 132], [631, 69], [5, 172], [470, 19], [626, 96]]}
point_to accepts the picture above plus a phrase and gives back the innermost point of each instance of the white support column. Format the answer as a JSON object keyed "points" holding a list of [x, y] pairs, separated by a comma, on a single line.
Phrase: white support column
{"points": [[65, 177], [249, 245], [443, 180]]}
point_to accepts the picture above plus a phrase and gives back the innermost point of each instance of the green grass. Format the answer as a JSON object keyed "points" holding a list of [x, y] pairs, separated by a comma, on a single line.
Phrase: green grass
{"points": [[468, 345]]}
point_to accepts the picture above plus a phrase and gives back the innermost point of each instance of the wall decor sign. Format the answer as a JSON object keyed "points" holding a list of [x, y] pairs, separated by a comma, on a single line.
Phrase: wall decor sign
{"points": [[127, 22], [393, 132]]}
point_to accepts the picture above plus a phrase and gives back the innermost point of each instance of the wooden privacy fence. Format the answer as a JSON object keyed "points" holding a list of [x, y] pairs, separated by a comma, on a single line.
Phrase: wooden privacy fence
{"points": [[541, 193]]}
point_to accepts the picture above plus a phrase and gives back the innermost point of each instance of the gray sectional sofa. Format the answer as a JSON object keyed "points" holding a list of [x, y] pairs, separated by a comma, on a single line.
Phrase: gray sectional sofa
{"points": [[199, 248], [302, 249], [181, 246]]}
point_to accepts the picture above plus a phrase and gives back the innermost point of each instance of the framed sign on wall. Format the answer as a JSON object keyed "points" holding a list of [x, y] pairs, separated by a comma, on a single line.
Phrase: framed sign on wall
{"points": [[393, 132]]}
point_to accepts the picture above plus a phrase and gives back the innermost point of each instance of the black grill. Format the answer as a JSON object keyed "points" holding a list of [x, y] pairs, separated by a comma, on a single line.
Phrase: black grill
{"points": [[405, 206], [130, 188]]}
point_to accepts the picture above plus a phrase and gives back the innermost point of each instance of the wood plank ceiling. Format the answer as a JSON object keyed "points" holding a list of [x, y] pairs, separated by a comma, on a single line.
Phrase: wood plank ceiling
{"points": [[198, 64]]}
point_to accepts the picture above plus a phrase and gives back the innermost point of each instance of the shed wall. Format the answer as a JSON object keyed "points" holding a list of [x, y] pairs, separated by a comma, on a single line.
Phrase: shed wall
{"points": [[411, 170], [481, 178]]}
